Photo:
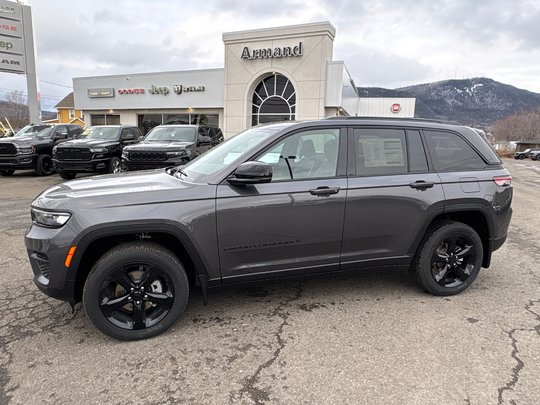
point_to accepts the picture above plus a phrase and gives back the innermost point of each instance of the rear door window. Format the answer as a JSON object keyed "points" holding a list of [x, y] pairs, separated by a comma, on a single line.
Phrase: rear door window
{"points": [[380, 151], [450, 152]]}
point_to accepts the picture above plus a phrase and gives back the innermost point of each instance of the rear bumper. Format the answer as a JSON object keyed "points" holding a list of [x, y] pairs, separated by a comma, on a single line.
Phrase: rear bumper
{"points": [[96, 165]]}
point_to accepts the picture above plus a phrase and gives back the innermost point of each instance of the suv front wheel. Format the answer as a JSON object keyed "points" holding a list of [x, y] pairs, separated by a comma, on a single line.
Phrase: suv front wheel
{"points": [[135, 291], [449, 259]]}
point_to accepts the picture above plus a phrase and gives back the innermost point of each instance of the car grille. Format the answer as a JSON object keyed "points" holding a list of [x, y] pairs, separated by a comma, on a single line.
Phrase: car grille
{"points": [[73, 154], [43, 264], [147, 155], [7, 149]]}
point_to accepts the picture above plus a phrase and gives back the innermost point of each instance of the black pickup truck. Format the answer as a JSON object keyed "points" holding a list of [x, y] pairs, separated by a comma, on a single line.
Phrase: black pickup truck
{"points": [[170, 145], [98, 149], [31, 148]]}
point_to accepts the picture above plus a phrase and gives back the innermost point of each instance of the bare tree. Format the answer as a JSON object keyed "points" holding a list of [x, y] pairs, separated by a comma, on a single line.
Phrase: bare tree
{"points": [[518, 127], [15, 109]]}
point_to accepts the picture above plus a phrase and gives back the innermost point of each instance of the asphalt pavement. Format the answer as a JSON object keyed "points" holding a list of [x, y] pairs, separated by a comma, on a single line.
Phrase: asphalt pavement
{"points": [[371, 338]]}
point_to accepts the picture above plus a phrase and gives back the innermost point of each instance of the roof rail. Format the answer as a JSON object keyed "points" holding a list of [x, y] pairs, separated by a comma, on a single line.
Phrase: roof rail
{"points": [[351, 117]]}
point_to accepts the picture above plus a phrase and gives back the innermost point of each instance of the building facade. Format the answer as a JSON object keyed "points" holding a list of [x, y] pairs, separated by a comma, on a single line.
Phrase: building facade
{"points": [[269, 75]]}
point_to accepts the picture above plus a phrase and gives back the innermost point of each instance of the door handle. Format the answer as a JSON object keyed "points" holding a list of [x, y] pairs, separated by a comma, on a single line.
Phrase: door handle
{"points": [[421, 184], [324, 190]]}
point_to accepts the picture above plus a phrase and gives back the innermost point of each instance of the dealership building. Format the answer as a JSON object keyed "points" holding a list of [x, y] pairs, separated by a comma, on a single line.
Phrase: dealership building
{"points": [[274, 74]]}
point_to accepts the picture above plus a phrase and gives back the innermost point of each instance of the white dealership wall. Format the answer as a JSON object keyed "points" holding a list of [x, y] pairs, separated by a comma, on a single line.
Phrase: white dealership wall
{"points": [[323, 87]]}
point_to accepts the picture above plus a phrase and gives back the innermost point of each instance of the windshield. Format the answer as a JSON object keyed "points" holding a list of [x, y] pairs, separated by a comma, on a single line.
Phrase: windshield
{"points": [[229, 152], [35, 130], [171, 134], [107, 133]]}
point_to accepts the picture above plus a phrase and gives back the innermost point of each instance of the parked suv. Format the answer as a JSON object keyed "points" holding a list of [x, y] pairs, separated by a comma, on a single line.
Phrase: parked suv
{"points": [[98, 149], [279, 200], [534, 154], [527, 153], [170, 145], [31, 148]]}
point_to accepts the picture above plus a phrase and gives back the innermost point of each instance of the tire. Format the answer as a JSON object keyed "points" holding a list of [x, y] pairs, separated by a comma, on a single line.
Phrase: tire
{"points": [[521, 157], [44, 165], [115, 166], [163, 274], [443, 270], [7, 172], [67, 175]]}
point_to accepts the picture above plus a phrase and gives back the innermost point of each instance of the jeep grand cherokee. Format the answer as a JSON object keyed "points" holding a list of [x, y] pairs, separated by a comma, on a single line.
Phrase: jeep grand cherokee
{"points": [[280, 200]]}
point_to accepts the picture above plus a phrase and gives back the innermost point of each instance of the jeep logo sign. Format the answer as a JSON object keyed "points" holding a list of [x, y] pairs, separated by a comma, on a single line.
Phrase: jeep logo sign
{"points": [[395, 108]]}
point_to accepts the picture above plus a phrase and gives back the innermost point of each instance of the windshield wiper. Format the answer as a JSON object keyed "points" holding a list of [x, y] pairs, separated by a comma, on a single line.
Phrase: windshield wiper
{"points": [[175, 171], [178, 170]]}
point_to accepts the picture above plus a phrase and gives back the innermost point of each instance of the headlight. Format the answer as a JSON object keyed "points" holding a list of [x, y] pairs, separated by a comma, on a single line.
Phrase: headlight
{"points": [[98, 150], [25, 150], [54, 149], [178, 153], [49, 219], [125, 153]]}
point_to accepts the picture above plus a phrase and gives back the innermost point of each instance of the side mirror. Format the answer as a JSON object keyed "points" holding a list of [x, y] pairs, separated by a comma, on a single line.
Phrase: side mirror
{"points": [[141, 138], [251, 173], [205, 140]]}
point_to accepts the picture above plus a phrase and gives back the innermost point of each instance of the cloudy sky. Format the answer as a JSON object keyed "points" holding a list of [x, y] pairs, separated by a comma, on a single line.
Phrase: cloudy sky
{"points": [[386, 43]]}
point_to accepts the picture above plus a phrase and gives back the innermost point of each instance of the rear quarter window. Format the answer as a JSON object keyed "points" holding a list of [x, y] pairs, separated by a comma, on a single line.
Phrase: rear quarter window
{"points": [[450, 152]]}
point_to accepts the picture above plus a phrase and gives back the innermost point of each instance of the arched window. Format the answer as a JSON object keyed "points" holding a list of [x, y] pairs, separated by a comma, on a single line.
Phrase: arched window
{"points": [[274, 99]]}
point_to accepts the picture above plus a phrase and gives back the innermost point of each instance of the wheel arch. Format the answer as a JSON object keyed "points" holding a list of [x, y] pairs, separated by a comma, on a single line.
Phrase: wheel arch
{"points": [[97, 240], [474, 216]]}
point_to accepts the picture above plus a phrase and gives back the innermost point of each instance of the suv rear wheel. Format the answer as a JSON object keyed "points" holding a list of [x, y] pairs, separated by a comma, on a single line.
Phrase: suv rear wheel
{"points": [[449, 259], [135, 291]]}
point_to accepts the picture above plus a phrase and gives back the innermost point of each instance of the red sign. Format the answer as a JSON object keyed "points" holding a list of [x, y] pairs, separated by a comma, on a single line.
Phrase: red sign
{"points": [[130, 91], [395, 108]]}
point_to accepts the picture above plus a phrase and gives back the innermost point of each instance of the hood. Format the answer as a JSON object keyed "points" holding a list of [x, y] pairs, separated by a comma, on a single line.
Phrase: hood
{"points": [[121, 190], [151, 146], [26, 140], [77, 143]]}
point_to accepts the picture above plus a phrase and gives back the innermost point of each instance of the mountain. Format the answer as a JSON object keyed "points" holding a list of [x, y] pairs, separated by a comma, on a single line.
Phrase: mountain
{"points": [[19, 112], [477, 102]]}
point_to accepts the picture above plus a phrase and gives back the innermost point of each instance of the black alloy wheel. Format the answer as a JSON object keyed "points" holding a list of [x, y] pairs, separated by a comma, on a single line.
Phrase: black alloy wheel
{"points": [[6, 172], [453, 261], [115, 165], [44, 165], [136, 296], [135, 291], [449, 258]]}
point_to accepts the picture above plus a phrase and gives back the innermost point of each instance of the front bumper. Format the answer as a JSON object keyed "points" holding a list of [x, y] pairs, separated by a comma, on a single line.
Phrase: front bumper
{"points": [[17, 162], [94, 165], [132, 165], [47, 249]]}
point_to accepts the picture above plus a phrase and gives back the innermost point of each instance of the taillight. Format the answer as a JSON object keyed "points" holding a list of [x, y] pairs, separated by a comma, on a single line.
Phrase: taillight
{"points": [[503, 181]]}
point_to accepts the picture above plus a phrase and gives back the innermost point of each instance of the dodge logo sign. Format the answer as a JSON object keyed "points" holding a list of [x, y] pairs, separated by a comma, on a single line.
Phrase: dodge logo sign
{"points": [[395, 108]]}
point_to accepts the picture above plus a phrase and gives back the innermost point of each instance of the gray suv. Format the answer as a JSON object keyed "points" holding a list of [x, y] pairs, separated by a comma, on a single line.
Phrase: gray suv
{"points": [[279, 200]]}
